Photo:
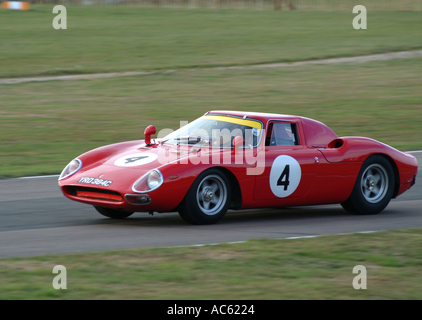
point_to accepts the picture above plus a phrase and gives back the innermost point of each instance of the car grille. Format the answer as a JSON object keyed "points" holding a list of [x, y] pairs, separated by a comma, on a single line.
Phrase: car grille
{"points": [[94, 193]]}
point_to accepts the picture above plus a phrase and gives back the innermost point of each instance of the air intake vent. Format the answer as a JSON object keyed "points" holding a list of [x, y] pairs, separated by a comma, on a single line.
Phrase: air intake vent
{"points": [[93, 193]]}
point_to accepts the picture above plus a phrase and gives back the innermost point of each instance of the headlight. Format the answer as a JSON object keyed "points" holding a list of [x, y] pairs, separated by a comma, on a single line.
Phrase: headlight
{"points": [[148, 182], [71, 168]]}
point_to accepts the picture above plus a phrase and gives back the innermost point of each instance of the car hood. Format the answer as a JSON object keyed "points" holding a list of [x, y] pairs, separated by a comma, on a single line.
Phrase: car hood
{"points": [[124, 163], [146, 158], [133, 159]]}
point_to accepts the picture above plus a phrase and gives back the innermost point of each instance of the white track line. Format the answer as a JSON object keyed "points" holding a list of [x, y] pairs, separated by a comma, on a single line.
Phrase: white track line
{"points": [[81, 76], [287, 238], [40, 177]]}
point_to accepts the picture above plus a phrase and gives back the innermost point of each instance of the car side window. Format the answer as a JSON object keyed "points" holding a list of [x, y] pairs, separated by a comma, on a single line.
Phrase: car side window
{"points": [[282, 134]]}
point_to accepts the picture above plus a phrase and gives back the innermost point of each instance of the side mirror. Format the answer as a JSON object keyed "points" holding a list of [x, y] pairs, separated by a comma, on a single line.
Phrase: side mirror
{"points": [[237, 142], [150, 130]]}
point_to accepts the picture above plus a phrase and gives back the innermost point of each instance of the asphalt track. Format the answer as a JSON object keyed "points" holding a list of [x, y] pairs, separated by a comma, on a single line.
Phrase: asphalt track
{"points": [[36, 219]]}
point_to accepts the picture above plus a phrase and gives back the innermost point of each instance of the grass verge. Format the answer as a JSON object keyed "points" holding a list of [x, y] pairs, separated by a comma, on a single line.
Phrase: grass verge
{"points": [[313, 268], [120, 38]]}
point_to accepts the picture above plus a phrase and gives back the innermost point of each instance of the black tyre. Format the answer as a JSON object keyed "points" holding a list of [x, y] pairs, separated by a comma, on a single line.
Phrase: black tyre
{"points": [[112, 213], [208, 198], [374, 187]]}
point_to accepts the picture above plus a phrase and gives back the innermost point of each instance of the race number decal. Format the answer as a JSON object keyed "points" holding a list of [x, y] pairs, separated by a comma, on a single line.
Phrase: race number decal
{"points": [[284, 176], [136, 159]]}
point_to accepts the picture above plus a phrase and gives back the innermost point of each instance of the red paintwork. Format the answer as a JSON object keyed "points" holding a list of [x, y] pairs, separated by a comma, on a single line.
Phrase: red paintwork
{"points": [[328, 180]]}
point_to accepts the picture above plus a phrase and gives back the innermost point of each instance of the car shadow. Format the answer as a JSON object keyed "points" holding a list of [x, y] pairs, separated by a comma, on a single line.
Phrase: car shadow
{"points": [[232, 217]]}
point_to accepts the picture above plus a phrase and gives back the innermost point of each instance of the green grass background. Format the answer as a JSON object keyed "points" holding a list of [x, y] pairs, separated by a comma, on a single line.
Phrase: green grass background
{"points": [[119, 38], [43, 125], [315, 268]]}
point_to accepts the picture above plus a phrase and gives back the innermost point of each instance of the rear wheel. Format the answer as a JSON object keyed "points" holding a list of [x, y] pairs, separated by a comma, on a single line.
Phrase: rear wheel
{"points": [[112, 213], [374, 187], [208, 198]]}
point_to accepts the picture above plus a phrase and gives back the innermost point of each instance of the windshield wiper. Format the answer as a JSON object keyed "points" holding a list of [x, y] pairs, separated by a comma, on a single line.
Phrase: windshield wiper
{"points": [[163, 141], [189, 139]]}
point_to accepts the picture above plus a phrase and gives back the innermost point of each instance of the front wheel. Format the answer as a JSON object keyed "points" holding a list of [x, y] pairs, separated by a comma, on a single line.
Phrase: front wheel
{"points": [[112, 213], [374, 187], [208, 198]]}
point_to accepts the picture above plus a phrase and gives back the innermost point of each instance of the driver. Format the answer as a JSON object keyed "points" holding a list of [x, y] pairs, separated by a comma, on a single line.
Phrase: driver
{"points": [[224, 133]]}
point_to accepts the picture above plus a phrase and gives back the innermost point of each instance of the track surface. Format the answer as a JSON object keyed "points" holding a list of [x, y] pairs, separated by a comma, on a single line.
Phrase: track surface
{"points": [[36, 219]]}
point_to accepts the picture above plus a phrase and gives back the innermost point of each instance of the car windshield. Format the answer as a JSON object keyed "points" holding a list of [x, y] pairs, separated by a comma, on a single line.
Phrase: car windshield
{"points": [[216, 132]]}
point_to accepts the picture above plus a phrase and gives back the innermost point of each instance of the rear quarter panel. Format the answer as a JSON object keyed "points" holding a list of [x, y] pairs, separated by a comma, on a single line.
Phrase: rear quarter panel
{"points": [[358, 149]]}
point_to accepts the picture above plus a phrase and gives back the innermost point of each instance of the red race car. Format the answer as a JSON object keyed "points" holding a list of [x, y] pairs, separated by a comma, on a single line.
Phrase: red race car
{"points": [[238, 160]]}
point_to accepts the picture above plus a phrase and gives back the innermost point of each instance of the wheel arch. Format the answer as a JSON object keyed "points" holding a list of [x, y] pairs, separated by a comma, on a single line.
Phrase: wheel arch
{"points": [[395, 170], [358, 202], [236, 193]]}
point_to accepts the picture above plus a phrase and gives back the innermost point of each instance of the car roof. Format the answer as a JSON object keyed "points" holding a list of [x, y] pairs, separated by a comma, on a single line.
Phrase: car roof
{"points": [[316, 133], [255, 115]]}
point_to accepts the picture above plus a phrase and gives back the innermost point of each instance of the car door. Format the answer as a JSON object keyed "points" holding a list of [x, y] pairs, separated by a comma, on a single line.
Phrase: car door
{"points": [[290, 167]]}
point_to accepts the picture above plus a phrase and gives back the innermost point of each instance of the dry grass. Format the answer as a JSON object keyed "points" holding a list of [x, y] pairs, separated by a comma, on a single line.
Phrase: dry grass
{"points": [[316, 268]]}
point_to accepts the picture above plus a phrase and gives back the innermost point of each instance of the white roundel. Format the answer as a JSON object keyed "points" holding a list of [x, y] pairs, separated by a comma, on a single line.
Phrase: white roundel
{"points": [[136, 159], [284, 176]]}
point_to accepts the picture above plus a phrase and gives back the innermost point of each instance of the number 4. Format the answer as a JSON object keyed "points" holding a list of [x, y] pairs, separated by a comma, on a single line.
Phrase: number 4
{"points": [[134, 159], [284, 177]]}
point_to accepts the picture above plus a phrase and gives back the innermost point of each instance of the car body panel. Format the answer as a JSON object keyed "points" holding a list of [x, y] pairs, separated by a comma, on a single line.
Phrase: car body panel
{"points": [[321, 169]]}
